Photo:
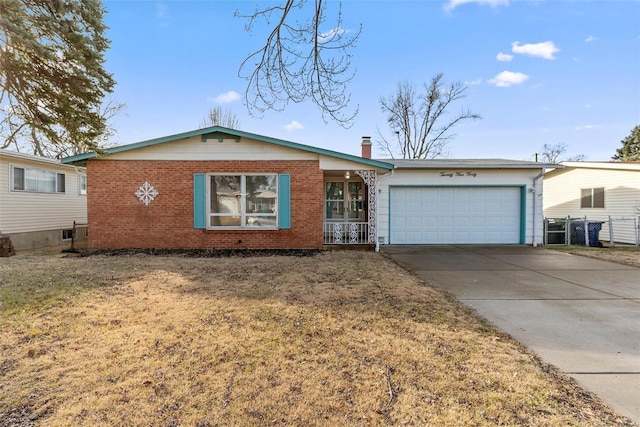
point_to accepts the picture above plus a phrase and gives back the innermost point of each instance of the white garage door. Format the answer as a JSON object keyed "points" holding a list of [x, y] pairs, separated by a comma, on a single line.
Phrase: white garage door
{"points": [[446, 215]]}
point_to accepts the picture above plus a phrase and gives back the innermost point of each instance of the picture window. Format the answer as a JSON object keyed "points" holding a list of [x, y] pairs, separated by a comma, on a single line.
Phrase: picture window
{"points": [[37, 180], [243, 201]]}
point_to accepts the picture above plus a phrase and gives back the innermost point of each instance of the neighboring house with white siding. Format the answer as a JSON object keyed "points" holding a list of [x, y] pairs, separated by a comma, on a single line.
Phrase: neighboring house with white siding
{"points": [[597, 190], [40, 199]]}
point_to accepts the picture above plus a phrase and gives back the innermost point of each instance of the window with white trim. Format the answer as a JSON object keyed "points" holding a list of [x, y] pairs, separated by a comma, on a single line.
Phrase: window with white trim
{"points": [[36, 180], [82, 184], [242, 200], [592, 198]]}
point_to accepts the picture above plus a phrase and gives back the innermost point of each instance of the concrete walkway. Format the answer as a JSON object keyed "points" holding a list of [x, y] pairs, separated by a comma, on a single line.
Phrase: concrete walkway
{"points": [[578, 314]]}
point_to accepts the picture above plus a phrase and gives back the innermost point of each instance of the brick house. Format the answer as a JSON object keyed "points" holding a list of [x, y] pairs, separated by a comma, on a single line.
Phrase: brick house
{"points": [[224, 188]]}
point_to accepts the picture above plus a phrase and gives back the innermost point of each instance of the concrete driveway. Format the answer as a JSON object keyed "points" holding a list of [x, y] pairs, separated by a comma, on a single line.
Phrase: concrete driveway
{"points": [[578, 314]]}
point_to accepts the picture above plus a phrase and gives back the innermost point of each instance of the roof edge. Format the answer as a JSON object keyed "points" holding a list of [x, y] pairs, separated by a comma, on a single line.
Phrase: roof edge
{"points": [[470, 163], [33, 158], [81, 158], [630, 166]]}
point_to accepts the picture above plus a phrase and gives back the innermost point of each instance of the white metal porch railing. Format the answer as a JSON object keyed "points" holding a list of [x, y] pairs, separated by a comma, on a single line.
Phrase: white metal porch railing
{"points": [[346, 233]]}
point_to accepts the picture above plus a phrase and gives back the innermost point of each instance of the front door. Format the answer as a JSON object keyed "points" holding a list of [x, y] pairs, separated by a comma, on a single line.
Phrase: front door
{"points": [[344, 201]]}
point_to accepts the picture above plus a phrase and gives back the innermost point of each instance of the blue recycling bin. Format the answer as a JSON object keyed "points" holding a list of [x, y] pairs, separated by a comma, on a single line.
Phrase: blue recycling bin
{"points": [[577, 232]]}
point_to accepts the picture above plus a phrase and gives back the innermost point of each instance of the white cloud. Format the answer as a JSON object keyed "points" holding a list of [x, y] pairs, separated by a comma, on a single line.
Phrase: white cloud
{"points": [[161, 10], [294, 125], [328, 36], [508, 78], [452, 4], [504, 57], [225, 98], [591, 39], [589, 127], [544, 50], [475, 82]]}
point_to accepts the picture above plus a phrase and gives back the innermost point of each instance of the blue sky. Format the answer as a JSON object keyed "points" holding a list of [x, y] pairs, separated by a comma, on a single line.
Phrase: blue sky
{"points": [[538, 72]]}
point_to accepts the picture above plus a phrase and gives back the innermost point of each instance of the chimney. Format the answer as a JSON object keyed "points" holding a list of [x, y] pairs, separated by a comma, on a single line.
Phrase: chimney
{"points": [[366, 147]]}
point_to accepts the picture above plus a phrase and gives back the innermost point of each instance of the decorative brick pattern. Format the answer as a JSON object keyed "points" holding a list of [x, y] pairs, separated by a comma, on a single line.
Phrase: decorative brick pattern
{"points": [[117, 219]]}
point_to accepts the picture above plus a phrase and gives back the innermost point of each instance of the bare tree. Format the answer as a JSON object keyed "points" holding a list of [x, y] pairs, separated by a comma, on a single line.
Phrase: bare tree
{"points": [[555, 153], [219, 117], [300, 60], [419, 121], [31, 140]]}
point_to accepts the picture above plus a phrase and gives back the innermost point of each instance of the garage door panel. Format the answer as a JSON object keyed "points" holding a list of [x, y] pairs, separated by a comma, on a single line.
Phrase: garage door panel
{"points": [[439, 215], [445, 222], [462, 221], [493, 221], [414, 208], [462, 208], [479, 205], [480, 221], [414, 222]]}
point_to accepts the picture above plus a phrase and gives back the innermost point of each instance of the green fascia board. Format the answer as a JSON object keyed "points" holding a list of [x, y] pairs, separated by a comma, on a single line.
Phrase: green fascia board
{"points": [[216, 131]]}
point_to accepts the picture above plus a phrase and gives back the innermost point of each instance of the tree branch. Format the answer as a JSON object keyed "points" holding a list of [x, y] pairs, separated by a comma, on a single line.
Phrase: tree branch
{"points": [[418, 119], [299, 62]]}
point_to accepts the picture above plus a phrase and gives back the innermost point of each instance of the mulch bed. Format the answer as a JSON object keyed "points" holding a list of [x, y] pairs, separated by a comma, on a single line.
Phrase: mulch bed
{"points": [[204, 253]]}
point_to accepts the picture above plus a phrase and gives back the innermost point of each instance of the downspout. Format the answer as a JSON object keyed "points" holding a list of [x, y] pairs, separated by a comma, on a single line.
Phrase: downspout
{"points": [[385, 176], [535, 206]]}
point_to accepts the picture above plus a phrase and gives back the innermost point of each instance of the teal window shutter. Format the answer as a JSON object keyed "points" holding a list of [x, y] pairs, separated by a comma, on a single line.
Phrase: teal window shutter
{"points": [[284, 200], [199, 200]]}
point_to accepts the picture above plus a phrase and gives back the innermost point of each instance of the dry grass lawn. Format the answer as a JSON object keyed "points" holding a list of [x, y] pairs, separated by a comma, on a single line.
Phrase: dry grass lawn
{"points": [[628, 255], [338, 338]]}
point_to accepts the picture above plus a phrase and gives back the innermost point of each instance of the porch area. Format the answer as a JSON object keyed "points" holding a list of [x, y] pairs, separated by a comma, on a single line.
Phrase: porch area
{"points": [[350, 207]]}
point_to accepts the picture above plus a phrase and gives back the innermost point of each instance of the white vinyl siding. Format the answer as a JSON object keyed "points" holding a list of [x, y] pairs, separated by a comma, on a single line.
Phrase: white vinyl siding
{"points": [[228, 149], [562, 195], [24, 211], [212, 149]]}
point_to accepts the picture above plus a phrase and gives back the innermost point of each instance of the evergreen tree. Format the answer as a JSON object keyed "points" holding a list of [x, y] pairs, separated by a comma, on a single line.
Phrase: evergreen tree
{"points": [[52, 79], [630, 150]]}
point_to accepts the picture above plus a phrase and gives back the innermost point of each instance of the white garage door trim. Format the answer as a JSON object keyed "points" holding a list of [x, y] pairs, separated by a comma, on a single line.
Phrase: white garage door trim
{"points": [[482, 214]]}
